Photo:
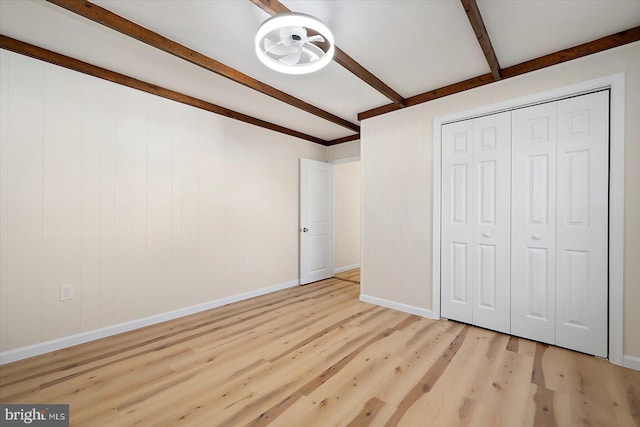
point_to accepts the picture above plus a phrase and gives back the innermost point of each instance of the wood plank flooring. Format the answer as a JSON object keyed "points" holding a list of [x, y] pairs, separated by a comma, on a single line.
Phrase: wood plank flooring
{"points": [[317, 356]]}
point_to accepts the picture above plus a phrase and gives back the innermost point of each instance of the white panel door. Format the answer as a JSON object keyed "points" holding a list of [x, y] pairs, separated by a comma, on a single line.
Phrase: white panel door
{"points": [[316, 221], [457, 237], [491, 221], [581, 266], [533, 222]]}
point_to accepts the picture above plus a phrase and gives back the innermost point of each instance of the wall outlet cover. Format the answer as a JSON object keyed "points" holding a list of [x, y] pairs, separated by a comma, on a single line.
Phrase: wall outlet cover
{"points": [[66, 292]]}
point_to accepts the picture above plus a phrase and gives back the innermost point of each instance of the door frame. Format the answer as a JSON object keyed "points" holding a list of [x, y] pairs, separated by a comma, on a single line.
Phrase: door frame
{"points": [[333, 238], [335, 162], [616, 84]]}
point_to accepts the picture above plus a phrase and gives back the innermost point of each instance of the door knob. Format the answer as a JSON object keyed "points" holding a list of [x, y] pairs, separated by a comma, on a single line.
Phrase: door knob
{"points": [[304, 230], [486, 235], [536, 237]]}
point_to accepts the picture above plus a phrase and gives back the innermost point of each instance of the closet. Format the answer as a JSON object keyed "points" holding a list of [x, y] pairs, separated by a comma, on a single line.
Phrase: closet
{"points": [[524, 222]]}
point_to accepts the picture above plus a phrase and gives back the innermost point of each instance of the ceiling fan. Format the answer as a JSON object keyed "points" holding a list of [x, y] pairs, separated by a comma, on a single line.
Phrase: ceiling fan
{"points": [[284, 43]]}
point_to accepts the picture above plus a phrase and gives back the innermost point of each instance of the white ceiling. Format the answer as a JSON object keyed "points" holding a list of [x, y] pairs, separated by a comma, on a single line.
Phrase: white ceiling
{"points": [[412, 46]]}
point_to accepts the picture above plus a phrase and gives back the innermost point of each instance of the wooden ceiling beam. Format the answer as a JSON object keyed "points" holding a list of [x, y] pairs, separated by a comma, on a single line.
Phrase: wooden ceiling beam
{"points": [[451, 89], [383, 109], [274, 7], [115, 22], [343, 140], [431, 95], [604, 43], [608, 42], [51, 57], [477, 23]]}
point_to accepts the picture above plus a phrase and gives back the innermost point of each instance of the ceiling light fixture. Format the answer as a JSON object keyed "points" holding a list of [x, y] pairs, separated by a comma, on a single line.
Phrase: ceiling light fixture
{"points": [[294, 43]]}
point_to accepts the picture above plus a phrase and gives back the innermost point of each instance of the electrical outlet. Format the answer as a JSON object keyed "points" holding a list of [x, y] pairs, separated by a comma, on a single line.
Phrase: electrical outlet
{"points": [[248, 262], [66, 292]]}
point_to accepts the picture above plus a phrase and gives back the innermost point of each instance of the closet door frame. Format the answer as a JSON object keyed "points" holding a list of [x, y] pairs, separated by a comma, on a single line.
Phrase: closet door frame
{"points": [[616, 84]]}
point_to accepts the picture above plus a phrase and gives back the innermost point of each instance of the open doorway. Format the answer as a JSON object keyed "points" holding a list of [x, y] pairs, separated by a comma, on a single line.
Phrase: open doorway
{"points": [[347, 213], [330, 219]]}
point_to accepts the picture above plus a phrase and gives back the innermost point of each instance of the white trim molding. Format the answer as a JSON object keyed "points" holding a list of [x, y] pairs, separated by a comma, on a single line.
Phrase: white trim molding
{"points": [[632, 362], [345, 268], [345, 160], [616, 84], [84, 337], [406, 308]]}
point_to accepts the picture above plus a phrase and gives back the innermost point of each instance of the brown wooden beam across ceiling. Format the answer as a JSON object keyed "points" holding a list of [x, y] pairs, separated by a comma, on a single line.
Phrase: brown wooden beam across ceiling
{"points": [[274, 7], [36, 52], [475, 19], [343, 140], [115, 22], [608, 42]]}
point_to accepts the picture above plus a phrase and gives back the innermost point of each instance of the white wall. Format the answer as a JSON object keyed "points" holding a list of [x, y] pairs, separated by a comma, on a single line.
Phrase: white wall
{"points": [[143, 204], [347, 150], [346, 215], [397, 182]]}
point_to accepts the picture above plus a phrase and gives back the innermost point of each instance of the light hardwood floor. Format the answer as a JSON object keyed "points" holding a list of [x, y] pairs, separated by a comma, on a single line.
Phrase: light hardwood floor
{"points": [[316, 356]]}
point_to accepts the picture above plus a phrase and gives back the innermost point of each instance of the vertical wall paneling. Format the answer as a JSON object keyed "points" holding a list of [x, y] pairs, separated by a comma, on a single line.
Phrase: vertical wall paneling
{"points": [[24, 201], [207, 235], [128, 125], [141, 126], [107, 192], [213, 234], [87, 291], [190, 209], [140, 203], [62, 200], [177, 113], [159, 206], [4, 207]]}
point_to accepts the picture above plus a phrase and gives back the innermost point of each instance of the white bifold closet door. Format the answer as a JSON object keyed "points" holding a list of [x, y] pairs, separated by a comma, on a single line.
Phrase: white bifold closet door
{"points": [[559, 222], [533, 231], [476, 163]]}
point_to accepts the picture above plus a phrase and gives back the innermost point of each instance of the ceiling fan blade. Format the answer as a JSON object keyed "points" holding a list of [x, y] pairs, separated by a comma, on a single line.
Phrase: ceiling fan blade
{"points": [[276, 48], [302, 31], [310, 54], [314, 50], [291, 59], [316, 38]]}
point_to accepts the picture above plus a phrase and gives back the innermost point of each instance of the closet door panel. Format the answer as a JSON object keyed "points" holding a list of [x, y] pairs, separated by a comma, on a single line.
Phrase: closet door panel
{"points": [[491, 222], [533, 222], [582, 218], [457, 210]]}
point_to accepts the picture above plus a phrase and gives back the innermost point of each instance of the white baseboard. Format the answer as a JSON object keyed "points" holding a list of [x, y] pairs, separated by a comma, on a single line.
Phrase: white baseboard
{"points": [[345, 268], [83, 337], [411, 309], [632, 362]]}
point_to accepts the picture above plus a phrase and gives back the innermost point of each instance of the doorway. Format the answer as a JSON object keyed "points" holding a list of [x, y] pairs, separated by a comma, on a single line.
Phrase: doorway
{"points": [[330, 218]]}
